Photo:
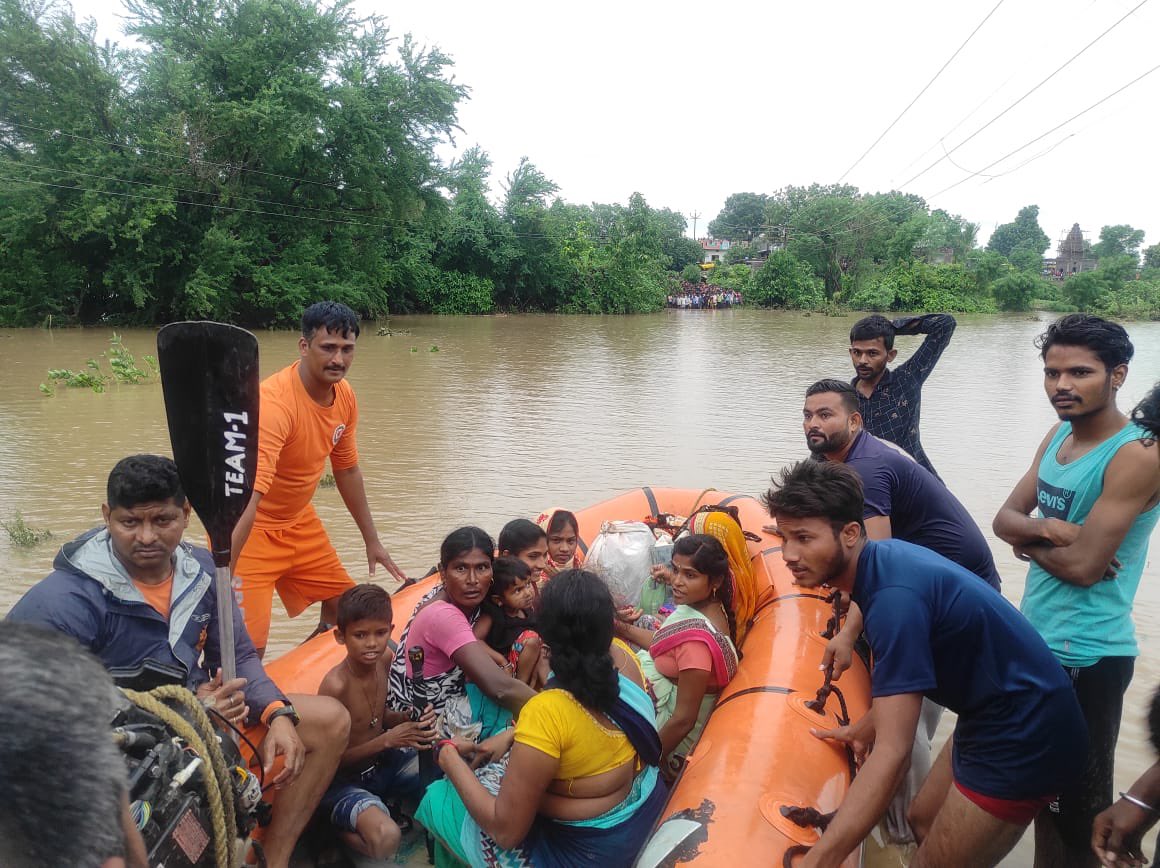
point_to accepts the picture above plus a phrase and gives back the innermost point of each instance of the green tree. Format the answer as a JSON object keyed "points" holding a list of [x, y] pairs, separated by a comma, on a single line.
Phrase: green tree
{"points": [[1152, 256], [1119, 240], [1087, 291], [1024, 232], [786, 281], [742, 218], [1015, 292], [691, 274]]}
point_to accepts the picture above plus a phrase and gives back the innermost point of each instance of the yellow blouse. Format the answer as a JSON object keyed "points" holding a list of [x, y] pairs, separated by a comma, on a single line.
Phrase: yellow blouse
{"points": [[555, 723]]}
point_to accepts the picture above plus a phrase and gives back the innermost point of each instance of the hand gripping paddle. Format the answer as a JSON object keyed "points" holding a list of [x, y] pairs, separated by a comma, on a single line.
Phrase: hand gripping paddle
{"points": [[209, 376]]}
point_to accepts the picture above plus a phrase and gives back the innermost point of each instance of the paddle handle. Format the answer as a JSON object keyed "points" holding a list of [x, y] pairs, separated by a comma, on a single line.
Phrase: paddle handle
{"points": [[225, 605]]}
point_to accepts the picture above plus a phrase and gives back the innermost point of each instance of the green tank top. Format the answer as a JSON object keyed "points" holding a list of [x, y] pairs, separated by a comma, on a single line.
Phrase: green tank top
{"points": [[1083, 625]]}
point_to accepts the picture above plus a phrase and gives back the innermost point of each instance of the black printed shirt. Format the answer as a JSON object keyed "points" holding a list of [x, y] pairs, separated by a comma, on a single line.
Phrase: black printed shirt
{"points": [[892, 410]]}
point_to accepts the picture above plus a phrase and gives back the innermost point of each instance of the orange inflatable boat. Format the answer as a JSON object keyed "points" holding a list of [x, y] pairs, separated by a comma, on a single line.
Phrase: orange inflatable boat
{"points": [[757, 778]]}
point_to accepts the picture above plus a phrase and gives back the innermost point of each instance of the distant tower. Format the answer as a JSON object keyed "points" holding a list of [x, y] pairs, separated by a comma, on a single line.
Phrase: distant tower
{"points": [[1073, 255]]}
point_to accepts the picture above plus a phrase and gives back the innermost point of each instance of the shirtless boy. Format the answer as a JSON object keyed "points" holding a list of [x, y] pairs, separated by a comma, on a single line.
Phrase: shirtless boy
{"points": [[380, 761]]}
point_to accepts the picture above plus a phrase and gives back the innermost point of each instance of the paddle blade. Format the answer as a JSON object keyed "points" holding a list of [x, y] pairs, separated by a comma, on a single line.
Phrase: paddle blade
{"points": [[209, 376]]}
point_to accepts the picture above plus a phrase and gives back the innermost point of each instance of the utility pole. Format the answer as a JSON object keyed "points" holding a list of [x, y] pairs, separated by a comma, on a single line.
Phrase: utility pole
{"points": [[695, 216]]}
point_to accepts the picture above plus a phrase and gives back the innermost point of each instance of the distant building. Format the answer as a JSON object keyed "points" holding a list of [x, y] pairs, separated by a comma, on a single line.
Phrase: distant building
{"points": [[714, 249], [1073, 256]]}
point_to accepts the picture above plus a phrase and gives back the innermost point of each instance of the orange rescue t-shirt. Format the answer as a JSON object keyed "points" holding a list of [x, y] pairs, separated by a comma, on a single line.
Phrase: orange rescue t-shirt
{"points": [[158, 595], [295, 436]]}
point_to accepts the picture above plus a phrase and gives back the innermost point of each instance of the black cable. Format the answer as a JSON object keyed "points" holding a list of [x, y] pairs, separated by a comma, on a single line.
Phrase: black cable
{"points": [[1060, 69], [243, 737], [925, 88], [1050, 131]]}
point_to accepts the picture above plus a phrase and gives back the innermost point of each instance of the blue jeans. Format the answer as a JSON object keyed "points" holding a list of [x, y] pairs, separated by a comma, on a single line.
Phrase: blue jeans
{"points": [[394, 775]]}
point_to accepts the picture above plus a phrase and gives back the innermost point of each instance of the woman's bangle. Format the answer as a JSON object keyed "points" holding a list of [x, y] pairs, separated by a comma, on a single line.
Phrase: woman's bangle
{"points": [[442, 743], [1139, 803]]}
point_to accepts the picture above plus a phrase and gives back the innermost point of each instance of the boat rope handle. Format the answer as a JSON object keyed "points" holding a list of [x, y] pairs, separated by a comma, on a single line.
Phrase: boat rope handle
{"points": [[796, 850], [807, 817], [834, 624]]}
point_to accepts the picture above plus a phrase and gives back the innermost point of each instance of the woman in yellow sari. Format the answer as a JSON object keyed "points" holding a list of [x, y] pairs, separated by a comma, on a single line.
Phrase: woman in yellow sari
{"points": [[722, 525]]}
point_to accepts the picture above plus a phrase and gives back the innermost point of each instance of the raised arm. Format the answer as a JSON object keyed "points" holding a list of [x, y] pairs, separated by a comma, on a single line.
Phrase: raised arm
{"points": [[938, 328], [1131, 485]]}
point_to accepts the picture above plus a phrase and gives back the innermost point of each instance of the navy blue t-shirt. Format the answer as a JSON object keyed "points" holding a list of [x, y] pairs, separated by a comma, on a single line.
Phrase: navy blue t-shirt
{"points": [[936, 629], [921, 509]]}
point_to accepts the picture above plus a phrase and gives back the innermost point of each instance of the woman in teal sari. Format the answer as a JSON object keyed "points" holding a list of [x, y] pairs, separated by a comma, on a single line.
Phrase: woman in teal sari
{"points": [[690, 659], [580, 784]]}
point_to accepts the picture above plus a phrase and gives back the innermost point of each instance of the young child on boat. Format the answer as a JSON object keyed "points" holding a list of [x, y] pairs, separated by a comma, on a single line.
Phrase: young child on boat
{"points": [[380, 762], [508, 620], [563, 532], [526, 540]]}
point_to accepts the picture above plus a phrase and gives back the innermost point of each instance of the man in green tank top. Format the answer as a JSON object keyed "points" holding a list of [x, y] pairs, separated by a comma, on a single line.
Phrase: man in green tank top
{"points": [[1095, 490]]}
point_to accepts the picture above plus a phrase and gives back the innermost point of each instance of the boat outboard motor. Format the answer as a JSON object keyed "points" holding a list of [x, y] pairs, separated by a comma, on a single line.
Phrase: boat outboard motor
{"points": [[168, 775]]}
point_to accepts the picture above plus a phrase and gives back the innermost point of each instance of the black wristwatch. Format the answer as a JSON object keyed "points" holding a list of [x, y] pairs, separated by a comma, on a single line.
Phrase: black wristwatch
{"points": [[286, 710]]}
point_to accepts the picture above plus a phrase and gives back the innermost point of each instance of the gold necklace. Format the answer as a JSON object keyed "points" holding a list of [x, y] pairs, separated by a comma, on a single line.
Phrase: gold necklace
{"points": [[371, 703]]}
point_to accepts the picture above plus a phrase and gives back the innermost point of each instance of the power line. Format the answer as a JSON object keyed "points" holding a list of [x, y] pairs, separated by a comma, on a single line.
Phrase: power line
{"points": [[1027, 144], [186, 202], [24, 164], [925, 88], [1066, 63], [234, 167]]}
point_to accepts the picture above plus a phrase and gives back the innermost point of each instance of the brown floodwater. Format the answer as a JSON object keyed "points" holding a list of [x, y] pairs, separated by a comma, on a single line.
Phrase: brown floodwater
{"points": [[483, 419]]}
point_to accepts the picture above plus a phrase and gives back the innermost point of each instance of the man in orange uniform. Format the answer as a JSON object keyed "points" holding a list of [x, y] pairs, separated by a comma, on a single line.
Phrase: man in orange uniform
{"points": [[308, 412]]}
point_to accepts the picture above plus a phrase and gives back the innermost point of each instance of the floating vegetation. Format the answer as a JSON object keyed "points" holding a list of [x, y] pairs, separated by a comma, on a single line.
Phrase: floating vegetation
{"points": [[124, 366], [387, 332], [328, 481], [122, 363], [434, 348], [414, 349], [21, 535]]}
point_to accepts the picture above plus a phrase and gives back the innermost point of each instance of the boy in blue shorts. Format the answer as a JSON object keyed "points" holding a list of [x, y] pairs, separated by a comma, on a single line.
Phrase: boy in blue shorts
{"points": [[380, 761], [935, 631]]}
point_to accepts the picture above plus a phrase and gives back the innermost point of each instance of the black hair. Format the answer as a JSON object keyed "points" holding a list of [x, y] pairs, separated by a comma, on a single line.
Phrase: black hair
{"points": [[560, 519], [465, 539], [333, 316], [143, 479], [362, 602], [708, 556], [59, 768], [519, 535], [840, 388], [1105, 338], [1146, 414], [1154, 721], [505, 572], [575, 621], [817, 489], [872, 327]]}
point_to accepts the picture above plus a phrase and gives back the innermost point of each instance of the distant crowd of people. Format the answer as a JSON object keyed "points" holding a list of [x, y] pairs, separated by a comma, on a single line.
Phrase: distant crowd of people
{"points": [[699, 295]]}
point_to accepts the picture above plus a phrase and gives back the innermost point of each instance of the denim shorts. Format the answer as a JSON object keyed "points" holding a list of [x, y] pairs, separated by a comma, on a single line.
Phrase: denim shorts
{"points": [[394, 775]]}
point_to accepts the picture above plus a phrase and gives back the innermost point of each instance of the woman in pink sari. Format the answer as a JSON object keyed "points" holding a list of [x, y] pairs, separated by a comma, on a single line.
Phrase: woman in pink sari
{"points": [[689, 660]]}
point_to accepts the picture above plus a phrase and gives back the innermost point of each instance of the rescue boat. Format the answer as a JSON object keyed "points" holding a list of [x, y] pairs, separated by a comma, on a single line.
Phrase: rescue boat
{"points": [[758, 785]]}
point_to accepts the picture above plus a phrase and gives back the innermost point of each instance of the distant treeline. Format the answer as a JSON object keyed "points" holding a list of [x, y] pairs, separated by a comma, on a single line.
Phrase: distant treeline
{"points": [[252, 156], [835, 247]]}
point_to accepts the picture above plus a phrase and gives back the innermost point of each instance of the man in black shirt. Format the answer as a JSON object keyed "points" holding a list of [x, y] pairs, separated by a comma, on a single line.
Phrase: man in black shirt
{"points": [[890, 400]]}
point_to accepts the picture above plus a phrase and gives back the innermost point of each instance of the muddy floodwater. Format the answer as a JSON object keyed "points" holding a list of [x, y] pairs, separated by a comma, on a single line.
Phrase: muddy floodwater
{"points": [[480, 420]]}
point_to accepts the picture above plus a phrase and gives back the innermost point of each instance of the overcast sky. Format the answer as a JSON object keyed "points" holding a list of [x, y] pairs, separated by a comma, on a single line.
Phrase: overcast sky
{"points": [[688, 103]]}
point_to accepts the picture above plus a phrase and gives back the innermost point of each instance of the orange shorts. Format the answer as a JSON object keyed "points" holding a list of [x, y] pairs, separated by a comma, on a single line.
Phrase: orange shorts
{"points": [[299, 561]]}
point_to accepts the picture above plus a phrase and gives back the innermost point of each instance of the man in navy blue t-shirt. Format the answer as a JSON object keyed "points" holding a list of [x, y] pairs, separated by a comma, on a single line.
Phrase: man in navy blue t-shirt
{"points": [[903, 500], [935, 631]]}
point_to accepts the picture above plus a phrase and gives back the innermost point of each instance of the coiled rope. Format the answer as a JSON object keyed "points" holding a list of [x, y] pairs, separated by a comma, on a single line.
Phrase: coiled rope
{"points": [[205, 743]]}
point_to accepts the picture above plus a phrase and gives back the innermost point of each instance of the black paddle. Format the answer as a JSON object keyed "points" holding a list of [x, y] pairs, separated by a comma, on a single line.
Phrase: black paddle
{"points": [[209, 375]]}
